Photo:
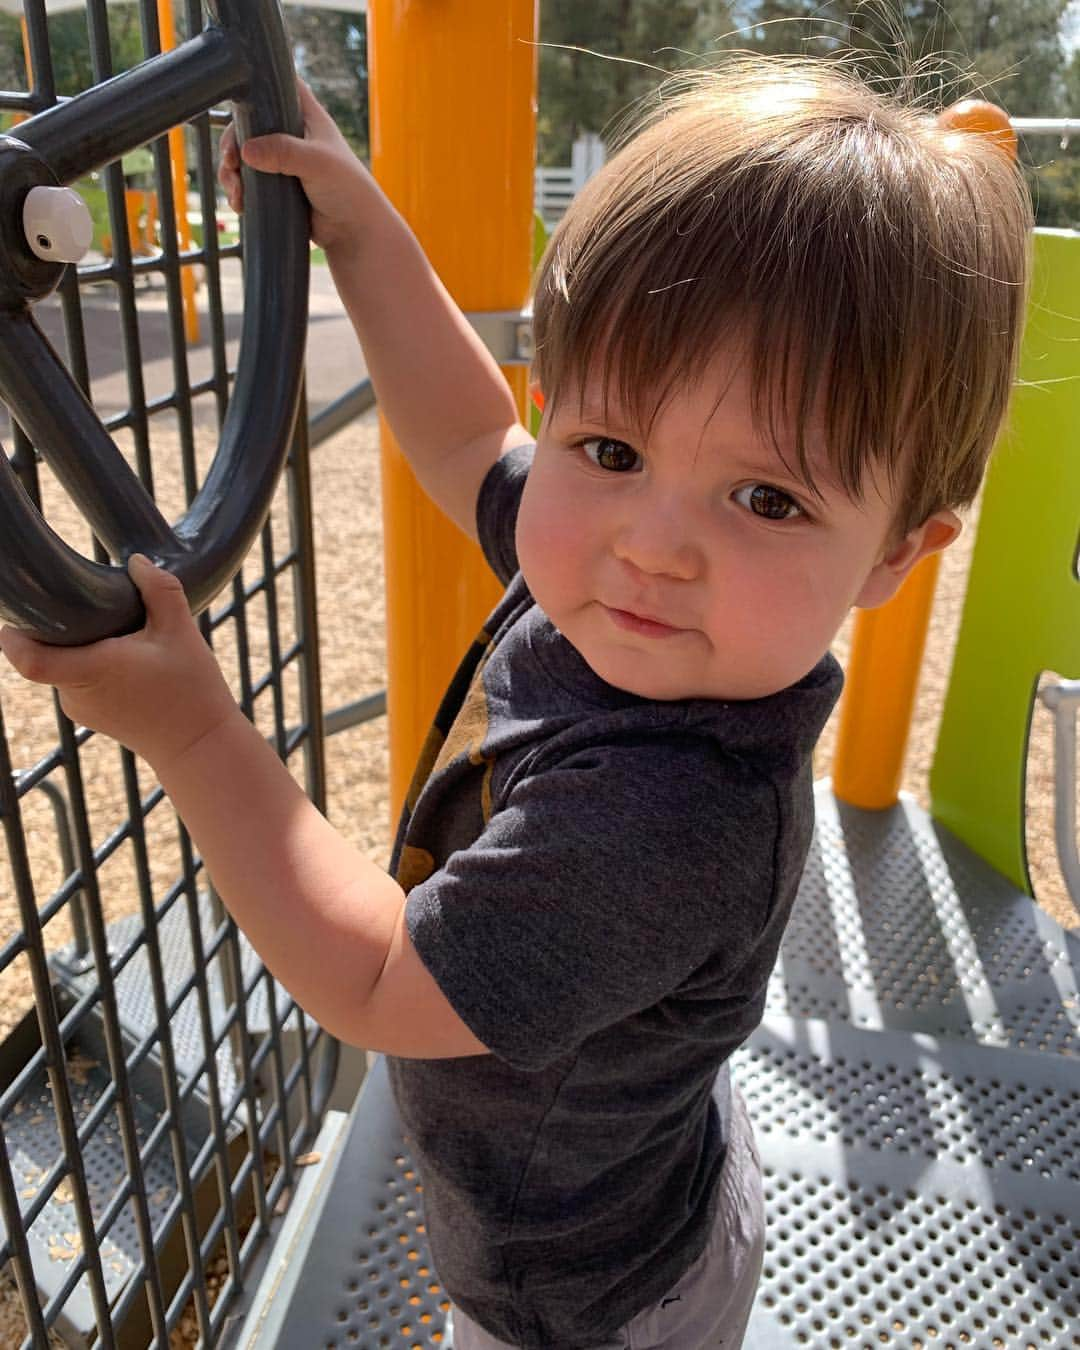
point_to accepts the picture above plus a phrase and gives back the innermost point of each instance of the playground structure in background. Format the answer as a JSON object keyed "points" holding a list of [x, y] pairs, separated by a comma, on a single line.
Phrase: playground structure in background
{"points": [[915, 1080]]}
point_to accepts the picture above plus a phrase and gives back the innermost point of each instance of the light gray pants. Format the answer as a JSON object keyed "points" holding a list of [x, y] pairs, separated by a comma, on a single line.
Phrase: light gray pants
{"points": [[707, 1309]]}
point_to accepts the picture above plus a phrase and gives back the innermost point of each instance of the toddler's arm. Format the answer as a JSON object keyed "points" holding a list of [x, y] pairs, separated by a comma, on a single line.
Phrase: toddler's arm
{"points": [[327, 922], [439, 388]]}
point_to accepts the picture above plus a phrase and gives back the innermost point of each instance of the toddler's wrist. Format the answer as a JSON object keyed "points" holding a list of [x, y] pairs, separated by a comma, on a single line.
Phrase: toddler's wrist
{"points": [[191, 748]]}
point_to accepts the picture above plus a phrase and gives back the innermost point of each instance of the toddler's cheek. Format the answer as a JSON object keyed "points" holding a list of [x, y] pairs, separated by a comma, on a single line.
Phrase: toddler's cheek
{"points": [[549, 551]]}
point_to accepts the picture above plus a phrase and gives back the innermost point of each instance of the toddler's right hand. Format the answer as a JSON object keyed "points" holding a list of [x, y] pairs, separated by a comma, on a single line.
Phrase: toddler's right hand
{"points": [[336, 183]]}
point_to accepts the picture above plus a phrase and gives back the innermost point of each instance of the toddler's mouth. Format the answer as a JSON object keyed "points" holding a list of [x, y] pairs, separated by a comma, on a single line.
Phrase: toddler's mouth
{"points": [[641, 623]]}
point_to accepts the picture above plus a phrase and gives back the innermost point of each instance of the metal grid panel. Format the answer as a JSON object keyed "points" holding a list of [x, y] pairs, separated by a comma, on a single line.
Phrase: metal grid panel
{"points": [[155, 1096], [898, 924]]}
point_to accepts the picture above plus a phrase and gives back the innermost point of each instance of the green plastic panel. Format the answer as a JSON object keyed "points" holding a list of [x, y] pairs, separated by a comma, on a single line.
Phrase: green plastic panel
{"points": [[1022, 609]]}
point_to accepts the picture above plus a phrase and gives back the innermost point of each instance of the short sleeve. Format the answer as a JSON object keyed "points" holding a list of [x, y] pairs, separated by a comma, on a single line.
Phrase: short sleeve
{"points": [[497, 508], [595, 890]]}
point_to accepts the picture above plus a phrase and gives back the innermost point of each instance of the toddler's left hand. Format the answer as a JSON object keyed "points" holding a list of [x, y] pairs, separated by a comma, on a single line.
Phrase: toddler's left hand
{"points": [[157, 691]]}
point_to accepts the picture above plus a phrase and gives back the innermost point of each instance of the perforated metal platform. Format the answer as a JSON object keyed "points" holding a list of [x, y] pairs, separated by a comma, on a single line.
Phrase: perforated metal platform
{"points": [[920, 1192], [899, 925], [352, 1267]]}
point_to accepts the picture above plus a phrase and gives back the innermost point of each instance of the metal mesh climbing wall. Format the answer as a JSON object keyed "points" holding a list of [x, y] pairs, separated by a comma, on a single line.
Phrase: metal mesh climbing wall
{"points": [[156, 1086]]}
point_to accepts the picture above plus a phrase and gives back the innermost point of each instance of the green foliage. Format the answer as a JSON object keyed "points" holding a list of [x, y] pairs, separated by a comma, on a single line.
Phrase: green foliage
{"points": [[597, 58], [93, 194], [330, 50], [1054, 176], [12, 65], [937, 51], [69, 45]]}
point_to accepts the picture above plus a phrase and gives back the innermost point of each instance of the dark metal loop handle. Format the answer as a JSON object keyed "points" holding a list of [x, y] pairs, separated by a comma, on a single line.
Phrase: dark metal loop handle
{"points": [[46, 586]]}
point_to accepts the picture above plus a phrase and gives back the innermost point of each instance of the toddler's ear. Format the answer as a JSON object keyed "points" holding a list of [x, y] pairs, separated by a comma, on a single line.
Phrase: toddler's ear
{"points": [[935, 533]]}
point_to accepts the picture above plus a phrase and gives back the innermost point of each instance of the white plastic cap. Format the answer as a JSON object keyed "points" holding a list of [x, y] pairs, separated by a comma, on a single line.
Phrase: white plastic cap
{"points": [[58, 224]]}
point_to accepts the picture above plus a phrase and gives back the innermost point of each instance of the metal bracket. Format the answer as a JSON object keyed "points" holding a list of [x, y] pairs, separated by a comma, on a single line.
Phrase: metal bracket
{"points": [[506, 333], [1063, 700]]}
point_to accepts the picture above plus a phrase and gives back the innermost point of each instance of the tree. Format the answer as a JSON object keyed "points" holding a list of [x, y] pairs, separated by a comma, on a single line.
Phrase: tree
{"points": [[69, 48], [937, 51], [330, 51], [597, 58], [1010, 50], [12, 66]]}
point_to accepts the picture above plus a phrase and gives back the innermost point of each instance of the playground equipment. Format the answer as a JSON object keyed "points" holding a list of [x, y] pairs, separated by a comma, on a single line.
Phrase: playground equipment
{"points": [[44, 585], [169, 1153]]}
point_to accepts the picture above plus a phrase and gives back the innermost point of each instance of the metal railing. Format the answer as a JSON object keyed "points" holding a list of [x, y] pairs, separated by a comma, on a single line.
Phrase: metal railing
{"points": [[1063, 699]]}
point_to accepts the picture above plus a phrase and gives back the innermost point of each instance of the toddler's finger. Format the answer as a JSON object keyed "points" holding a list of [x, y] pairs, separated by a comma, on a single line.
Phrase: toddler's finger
{"points": [[162, 593], [229, 174], [312, 109], [228, 151], [17, 648], [41, 663], [277, 153]]}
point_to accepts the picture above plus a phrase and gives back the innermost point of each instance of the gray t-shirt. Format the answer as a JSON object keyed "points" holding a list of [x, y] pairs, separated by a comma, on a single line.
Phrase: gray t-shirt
{"points": [[599, 884]]}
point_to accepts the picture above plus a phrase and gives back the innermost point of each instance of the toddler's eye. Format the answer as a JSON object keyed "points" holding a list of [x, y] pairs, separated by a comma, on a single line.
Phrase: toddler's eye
{"points": [[610, 454], [771, 503]]}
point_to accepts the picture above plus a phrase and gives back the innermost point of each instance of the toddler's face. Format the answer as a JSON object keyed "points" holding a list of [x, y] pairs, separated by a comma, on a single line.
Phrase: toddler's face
{"points": [[697, 565]]}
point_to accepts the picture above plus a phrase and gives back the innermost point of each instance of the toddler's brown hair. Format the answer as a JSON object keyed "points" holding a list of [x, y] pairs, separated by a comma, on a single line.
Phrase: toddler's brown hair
{"points": [[873, 264]]}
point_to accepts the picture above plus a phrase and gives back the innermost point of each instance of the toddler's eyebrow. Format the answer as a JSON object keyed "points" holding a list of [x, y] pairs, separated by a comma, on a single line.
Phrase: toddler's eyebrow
{"points": [[818, 477]]}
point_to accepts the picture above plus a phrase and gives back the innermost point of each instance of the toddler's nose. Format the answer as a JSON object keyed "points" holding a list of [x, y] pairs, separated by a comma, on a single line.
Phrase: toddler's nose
{"points": [[658, 543]]}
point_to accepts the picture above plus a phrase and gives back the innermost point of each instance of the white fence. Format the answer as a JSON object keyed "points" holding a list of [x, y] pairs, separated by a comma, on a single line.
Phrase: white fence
{"points": [[555, 187]]}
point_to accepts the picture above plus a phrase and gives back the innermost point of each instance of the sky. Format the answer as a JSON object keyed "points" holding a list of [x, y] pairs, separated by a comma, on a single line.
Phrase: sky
{"points": [[1070, 28]]}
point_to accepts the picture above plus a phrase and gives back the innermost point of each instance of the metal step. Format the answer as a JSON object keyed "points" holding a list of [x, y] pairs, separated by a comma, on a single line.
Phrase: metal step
{"points": [[919, 1192], [34, 1150], [134, 996], [899, 925], [352, 1267], [918, 1121], [32, 1137]]}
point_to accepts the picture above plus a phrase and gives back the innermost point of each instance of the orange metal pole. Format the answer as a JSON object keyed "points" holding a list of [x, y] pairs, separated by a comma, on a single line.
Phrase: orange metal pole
{"points": [[453, 127], [178, 164], [882, 679], [22, 117]]}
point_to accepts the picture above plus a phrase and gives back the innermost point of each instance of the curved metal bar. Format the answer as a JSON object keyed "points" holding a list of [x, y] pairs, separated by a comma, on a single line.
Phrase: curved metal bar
{"points": [[45, 585], [1063, 700], [107, 121], [234, 500], [56, 415]]}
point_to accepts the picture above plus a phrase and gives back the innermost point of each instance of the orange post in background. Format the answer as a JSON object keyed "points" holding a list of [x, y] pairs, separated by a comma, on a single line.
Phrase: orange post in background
{"points": [[178, 163], [22, 117], [882, 678], [887, 645], [453, 127]]}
